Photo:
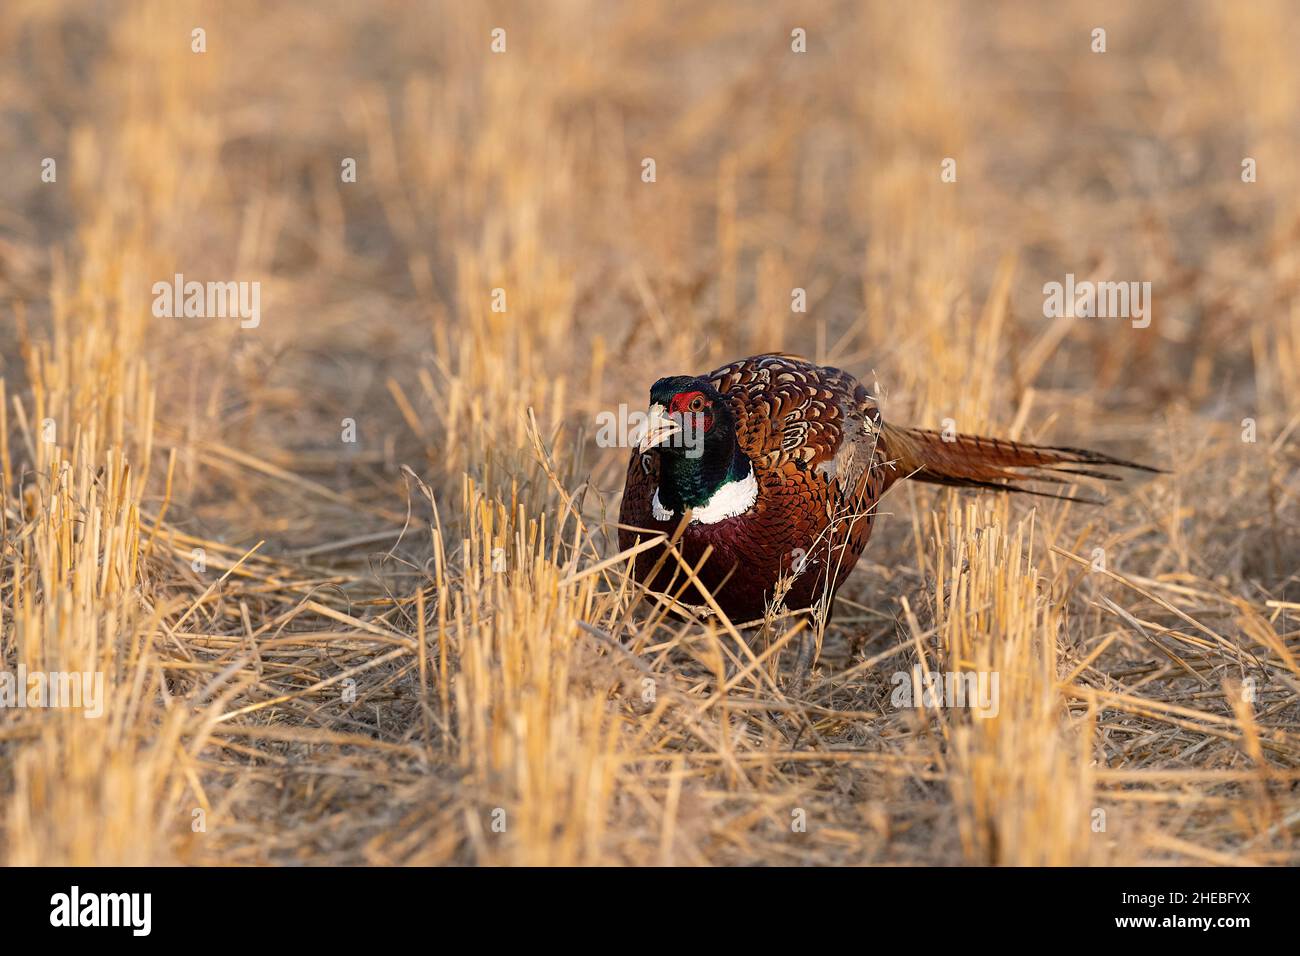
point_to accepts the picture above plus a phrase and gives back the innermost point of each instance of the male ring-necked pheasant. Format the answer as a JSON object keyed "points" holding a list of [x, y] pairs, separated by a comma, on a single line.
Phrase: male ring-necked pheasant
{"points": [[781, 463]]}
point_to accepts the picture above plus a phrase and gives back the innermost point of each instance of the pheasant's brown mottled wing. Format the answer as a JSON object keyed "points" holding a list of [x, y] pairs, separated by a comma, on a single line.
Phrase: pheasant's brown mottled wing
{"points": [[794, 416], [813, 435]]}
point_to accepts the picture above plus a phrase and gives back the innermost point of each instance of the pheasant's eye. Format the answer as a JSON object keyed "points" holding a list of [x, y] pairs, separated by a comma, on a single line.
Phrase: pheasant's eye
{"points": [[697, 403]]}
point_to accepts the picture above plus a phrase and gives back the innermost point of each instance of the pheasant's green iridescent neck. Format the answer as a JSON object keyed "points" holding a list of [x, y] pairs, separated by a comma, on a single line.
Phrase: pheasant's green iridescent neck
{"points": [[686, 482]]}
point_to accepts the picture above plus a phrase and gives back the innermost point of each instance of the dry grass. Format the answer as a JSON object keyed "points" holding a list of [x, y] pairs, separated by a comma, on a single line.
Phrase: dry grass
{"points": [[377, 661]]}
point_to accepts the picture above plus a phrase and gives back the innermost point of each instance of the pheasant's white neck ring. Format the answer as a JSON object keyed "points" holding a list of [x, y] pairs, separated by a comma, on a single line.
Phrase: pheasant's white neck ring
{"points": [[731, 499]]}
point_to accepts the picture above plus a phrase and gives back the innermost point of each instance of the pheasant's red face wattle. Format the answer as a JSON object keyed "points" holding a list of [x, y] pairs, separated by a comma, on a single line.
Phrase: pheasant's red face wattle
{"points": [[689, 405]]}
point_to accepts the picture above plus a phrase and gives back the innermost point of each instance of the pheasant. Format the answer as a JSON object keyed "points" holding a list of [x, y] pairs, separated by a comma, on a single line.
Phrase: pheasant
{"points": [[780, 464]]}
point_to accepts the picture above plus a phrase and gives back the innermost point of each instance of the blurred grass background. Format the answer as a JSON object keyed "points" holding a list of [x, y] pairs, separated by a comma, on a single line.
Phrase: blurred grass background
{"points": [[330, 570]]}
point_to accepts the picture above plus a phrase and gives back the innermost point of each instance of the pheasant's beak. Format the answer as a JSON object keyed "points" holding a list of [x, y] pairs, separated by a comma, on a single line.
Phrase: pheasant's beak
{"points": [[659, 428]]}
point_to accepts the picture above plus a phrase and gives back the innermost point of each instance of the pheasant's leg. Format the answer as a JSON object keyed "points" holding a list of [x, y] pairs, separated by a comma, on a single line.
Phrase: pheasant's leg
{"points": [[803, 663], [819, 618]]}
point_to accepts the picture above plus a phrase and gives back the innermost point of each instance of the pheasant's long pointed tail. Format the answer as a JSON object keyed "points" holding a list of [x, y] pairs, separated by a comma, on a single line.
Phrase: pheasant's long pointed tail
{"points": [[972, 461]]}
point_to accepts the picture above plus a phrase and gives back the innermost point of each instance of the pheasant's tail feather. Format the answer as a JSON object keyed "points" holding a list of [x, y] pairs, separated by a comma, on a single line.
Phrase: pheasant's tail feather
{"points": [[972, 461]]}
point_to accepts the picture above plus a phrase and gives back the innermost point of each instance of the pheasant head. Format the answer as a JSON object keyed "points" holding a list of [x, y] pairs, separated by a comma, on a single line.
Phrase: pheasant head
{"points": [[692, 429]]}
